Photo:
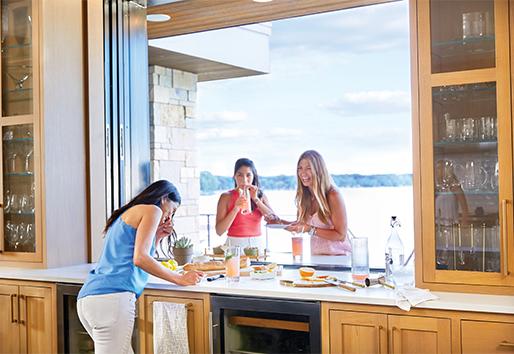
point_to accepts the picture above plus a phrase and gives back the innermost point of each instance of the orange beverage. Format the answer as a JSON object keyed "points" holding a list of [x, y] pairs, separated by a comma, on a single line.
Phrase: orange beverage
{"points": [[232, 263], [297, 243], [247, 206]]}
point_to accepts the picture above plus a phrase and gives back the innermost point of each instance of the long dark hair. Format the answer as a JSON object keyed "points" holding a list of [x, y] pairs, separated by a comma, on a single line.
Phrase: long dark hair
{"points": [[152, 195], [249, 163]]}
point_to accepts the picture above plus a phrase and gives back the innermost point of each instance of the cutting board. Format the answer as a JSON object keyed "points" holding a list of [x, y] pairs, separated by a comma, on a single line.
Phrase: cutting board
{"points": [[244, 272], [302, 283]]}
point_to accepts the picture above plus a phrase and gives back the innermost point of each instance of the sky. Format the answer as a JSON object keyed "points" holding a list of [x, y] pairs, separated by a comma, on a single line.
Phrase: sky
{"points": [[339, 83]]}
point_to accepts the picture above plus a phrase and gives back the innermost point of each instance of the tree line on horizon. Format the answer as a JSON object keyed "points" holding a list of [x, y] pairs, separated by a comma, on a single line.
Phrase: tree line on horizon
{"points": [[210, 183]]}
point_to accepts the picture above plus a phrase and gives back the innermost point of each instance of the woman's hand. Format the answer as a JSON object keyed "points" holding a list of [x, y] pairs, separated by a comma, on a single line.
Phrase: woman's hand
{"points": [[189, 278], [272, 219], [253, 192], [240, 202], [298, 227], [165, 228]]}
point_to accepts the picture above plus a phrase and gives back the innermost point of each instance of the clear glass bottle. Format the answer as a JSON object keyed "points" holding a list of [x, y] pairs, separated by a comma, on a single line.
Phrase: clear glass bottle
{"points": [[394, 253]]}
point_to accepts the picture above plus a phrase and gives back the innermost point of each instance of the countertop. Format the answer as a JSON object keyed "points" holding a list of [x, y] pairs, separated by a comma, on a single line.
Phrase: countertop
{"points": [[271, 288]]}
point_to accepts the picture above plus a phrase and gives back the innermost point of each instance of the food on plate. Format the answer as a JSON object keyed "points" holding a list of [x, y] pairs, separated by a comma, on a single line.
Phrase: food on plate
{"points": [[218, 250], [214, 265], [266, 271], [251, 251], [306, 272], [171, 264]]}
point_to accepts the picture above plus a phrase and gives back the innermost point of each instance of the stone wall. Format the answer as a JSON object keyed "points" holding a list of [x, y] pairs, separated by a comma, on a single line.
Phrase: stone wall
{"points": [[173, 151]]}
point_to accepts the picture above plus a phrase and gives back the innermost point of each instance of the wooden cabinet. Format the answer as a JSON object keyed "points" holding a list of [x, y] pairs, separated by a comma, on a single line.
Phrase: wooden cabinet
{"points": [[28, 323], [197, 318], [358, 332], [411, 334], [487, 337], [42, 129], [463, 178], [365, 329], [371, 332]]}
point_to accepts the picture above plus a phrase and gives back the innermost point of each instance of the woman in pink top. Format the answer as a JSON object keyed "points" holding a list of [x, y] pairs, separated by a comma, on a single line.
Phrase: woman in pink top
{"points": [[321, 209], [243, 229]]}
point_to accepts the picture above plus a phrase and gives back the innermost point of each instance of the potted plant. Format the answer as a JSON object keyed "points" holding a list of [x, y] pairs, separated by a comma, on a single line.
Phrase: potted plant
{"points": [[183, 250]]}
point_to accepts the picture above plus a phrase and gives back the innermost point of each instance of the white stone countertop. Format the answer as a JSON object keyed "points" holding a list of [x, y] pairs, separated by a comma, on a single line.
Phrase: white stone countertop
{"points": [[376, 295]]}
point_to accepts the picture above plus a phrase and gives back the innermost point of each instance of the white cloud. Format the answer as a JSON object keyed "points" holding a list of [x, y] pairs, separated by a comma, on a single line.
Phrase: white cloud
{"points": [[371, 102], [284, 132], [225, 133], [224, 117]]}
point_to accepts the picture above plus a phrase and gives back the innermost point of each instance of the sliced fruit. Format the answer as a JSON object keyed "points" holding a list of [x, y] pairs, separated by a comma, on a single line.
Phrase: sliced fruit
{"points": [[306, 272]]}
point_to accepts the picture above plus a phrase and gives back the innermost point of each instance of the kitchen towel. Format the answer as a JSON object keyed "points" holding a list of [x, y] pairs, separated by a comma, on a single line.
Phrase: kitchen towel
{"points": [[410, 296], [170, 328]]}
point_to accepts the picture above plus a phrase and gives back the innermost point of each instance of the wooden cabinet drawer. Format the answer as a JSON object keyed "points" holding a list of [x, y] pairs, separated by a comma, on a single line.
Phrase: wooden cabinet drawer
{"points": [[487, 337]]}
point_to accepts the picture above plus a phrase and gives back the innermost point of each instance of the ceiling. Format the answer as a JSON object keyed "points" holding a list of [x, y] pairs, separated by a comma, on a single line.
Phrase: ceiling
{"points": [[205, 69], [191, 16]]}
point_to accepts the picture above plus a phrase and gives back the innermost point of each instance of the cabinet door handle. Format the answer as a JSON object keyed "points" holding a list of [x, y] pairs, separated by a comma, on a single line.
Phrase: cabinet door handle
{"points": [[379, 328], [505, 268], [24, 306], [13, 305], [506, 344]]}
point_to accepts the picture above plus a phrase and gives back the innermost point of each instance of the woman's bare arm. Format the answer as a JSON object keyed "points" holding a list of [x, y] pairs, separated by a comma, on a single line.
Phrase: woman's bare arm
{"points": [[151, 216], [225, 217]]}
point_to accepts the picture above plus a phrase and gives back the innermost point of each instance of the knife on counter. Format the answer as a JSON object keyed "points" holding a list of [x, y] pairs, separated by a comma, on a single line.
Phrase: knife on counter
{"points": [[340, 284]]}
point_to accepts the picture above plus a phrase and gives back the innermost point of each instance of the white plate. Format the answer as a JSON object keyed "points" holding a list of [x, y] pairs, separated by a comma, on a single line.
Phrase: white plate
{"points": [[277, 226], [263, 276]]}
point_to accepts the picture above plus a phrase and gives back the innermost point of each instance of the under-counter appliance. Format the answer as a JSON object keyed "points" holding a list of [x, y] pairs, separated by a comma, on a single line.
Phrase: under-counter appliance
{"points": [[72, 336], [244, 325]]}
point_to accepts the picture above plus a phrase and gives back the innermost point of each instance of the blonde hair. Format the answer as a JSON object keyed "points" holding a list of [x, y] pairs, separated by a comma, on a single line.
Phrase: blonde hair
{"points": [[321, 186]]}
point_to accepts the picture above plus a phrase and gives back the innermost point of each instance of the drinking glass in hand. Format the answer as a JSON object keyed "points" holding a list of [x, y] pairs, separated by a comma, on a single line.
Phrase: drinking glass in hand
{"points": [[247, 207]]}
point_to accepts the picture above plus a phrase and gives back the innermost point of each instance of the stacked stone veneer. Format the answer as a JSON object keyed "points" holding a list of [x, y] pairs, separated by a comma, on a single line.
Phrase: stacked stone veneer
{"points": [[173, 152]]}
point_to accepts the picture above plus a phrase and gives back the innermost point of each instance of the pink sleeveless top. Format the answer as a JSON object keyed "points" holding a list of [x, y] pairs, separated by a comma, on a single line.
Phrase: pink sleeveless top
{"points": [[321, 245], [248, 225]]}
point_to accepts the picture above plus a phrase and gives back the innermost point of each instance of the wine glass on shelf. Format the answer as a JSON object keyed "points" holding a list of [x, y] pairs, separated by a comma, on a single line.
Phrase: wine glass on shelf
{"points": [[20, 79]]}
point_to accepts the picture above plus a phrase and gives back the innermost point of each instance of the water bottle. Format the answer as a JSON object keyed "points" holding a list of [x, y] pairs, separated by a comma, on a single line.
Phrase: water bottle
{"points": [[394, 256]]}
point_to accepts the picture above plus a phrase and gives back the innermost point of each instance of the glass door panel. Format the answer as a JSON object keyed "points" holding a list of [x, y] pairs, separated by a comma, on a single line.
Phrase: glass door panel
{"points": [[18, 188], [462, 35], [466, 177], [17, 59]]}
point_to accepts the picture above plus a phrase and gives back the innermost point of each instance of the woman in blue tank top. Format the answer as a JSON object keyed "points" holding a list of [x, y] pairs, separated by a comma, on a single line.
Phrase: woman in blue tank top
{"points": [[107, 301]]}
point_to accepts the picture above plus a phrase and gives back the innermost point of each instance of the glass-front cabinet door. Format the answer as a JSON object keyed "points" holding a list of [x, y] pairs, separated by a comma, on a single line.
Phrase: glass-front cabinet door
{"points": [[19, 170], [465, 133]]}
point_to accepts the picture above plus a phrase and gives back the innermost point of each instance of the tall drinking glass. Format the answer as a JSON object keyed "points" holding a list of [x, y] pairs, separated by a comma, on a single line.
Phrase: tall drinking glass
{"points": [[297, 244], [232, 263], [360, 258]]}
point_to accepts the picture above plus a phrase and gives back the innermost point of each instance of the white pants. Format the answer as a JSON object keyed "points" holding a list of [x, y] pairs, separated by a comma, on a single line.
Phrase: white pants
{"points": [[109, 320], [259, 241]]}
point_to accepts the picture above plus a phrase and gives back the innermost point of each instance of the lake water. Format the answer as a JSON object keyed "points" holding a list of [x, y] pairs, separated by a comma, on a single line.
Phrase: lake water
{"points": [[369, 211]]}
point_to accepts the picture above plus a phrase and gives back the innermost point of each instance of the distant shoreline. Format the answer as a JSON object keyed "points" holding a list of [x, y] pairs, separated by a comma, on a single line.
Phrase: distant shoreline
{"points": [[210, 183]]}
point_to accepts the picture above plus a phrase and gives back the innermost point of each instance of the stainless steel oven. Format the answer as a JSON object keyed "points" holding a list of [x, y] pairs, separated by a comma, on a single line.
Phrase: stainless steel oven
{"points": [[242, 325]]}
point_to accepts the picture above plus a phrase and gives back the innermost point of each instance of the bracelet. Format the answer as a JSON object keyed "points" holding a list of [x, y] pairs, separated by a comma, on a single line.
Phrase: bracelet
{"points": [[312, 231]]}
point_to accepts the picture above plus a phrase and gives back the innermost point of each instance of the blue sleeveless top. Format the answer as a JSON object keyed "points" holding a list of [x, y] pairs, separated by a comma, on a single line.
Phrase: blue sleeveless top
{"points": [[115, 271]]}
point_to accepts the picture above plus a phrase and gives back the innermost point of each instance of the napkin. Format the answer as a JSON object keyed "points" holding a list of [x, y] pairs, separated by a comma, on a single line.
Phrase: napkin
{"points": [[410, 296]]}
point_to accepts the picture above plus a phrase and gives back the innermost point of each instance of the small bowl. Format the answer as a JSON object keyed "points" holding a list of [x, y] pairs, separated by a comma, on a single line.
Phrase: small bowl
{"points": [[251, 251]]}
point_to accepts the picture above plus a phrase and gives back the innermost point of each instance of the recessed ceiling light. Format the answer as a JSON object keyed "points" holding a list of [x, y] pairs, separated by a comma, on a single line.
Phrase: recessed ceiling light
{"points": [[158, 17]]}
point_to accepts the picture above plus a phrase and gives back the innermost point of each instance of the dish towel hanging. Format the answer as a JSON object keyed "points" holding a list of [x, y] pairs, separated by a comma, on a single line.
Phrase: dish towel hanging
{"points": [[170, 328]]}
